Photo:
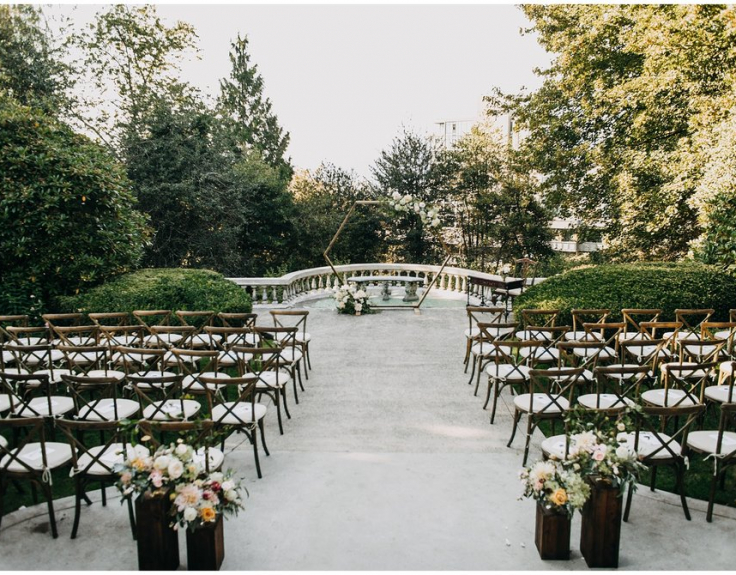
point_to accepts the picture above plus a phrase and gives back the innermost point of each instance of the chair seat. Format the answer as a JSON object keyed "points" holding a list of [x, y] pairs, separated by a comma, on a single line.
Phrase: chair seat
{"points": [[541, 403], [291, 355], [682, 335], [723, 334], [240, 414], [554, 447], [484, 349], [5, 402], [508, 372], [472, 333], [532, 334], [604, 401], [109, 455], [727, 367], [192, 384], [230, 358], [39, 406], [43, 357], [719, 393], [112, 373], [631, 336], [54, 374], [134, 358], [603, 353], [273, 379], [7, 357], [104, 409], [581, 336], [57, 454], [668, 398], [16, 371], [171, 409], [649, 444], [303, 337], [84, 357], [707, 441], [122, 340], [671, 366], [166, 338], [203, 340], [215, 460], [625, 376], [151, 377], [646, 351], [243, 340], [550, 355]]}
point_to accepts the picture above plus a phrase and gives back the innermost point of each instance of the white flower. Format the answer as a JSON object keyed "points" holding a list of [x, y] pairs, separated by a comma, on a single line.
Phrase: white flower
{"points": [[231, 495], [341, 305], [176, 469], [190, 514], [435, 222], [422, 204], [621, 426], [360, 294], [396, 196], [622, 452], [358, 307], [162, 462], [227, 485], [417, 209], [181, 449], [216, 476]]}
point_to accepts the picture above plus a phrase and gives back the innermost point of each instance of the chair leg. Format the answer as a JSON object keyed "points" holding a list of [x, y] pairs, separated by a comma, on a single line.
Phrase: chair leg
{"points": [[254, 443], [628, 502], [306, 353], [282, 391], [277, 401], [467, 354], [488, 394], [712, 494], [103, 493], [293, 382], [529, 429], [653, 479], [303, 363], [474, 360], [299, 374], [131, 517], [3, 487], [517, 417], [52, 516], [77, 507], [477, 379], [263, 438], [680, 471]]}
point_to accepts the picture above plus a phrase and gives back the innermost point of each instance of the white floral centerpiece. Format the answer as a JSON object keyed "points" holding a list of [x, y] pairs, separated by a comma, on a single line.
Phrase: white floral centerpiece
{"points": [[352, 300], [202, 501], [408, 204], [555, 487], [168, 466]]}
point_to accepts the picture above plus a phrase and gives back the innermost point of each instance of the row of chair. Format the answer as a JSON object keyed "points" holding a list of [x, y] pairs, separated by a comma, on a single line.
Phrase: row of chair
{"points": [[673, 370]]}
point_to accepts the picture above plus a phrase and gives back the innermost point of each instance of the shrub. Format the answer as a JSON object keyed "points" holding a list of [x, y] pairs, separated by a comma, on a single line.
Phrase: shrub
{"points": [[67, 217], [174, 289], [667, 286]]}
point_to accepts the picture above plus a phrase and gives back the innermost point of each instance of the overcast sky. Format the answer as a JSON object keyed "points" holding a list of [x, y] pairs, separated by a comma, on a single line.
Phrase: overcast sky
{"points": [[344, 78]]}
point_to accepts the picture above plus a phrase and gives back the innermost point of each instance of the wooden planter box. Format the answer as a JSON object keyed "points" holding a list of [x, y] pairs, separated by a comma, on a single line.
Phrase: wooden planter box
{"points": [[600, 532], [158, 544], [552, 533], [206, 547]]}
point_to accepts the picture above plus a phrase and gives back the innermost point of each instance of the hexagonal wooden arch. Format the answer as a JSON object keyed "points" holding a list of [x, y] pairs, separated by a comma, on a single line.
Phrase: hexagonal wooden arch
{"points": [[345, 220]]}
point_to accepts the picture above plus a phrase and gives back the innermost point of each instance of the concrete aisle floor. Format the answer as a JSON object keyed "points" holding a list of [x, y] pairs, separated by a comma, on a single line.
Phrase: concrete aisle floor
{"points": [[388, 462]]}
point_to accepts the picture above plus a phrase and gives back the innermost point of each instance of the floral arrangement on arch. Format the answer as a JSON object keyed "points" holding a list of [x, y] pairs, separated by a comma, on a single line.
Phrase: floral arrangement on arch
{"points": [[351, 300], [198, 498], [554, 486], [407, 204]]}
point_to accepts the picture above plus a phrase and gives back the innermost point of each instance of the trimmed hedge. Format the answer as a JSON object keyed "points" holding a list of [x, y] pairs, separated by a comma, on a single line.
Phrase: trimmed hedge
{"points": [[667, 286], [174, 289]]}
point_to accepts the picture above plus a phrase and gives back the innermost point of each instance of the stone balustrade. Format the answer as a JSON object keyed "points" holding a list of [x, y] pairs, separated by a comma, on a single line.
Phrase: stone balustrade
{"points": [[321, 282]]}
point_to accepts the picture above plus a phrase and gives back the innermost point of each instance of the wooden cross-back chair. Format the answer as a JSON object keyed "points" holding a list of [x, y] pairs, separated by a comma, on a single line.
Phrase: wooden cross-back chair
{"points": [[632, 317], [32, 458], [55, 320], [482, 351], [238, 319], [295, 318], [480, 314], [198, 320], [30, 395], [94, 462], [586, 316], [681, 385], [691, 320], [291, 357], [508, 369], [200, 434], [98, 398]]}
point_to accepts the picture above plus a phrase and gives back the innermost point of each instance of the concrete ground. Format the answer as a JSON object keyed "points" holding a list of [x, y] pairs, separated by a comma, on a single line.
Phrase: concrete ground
{"points": [[388, 463]]}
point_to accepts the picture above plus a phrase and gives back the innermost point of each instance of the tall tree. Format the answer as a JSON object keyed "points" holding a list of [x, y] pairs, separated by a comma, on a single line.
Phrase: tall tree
{"points": [[253, 124], [615, 127], [31, 69], [411, 166]]}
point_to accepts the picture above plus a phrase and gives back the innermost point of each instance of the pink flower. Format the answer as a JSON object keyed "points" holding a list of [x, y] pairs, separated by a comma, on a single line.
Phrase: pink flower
{"points": [[156, 478], [598, 455], [126, 477]]}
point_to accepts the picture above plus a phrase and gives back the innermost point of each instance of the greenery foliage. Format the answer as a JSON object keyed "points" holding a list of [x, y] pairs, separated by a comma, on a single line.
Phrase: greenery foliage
{"points": [[666, 286], [173, 289], [67, 217]]}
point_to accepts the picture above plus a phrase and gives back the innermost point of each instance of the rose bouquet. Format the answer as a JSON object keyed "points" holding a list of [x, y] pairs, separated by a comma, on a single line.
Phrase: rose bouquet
{"points": [[351, 300], [201, 502], [407, 204], [554, 486], [168, 466]]}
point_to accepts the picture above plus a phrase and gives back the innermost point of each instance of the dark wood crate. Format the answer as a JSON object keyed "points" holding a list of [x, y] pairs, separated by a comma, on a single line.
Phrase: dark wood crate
{"points": [[206, 547], [600, 532], [158, 544], [552, 534]]}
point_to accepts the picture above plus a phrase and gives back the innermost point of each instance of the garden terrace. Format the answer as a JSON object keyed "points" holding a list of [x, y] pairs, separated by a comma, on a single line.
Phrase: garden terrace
{"points": [[388, 462]]}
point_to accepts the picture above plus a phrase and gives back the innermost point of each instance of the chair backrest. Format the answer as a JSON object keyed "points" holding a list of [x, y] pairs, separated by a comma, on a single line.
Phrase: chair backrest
{"points": [[482, 314], [290, 318], [30, 358], [28, 335], [196, 319], [633, 316], [82, 360], [642, 352], [699, 350], [539, 317], [191, 364], [582, 316], [55, 320], [168, 336], [22, 389], [690, 380], [230, 413], [585, 354], [555, 383], [96, 460], [11, 461], [622, 381], [141, 361], [80, 335], [691, 319], [668, 330], [723, 330], [237, 319], [85, 391], [661, 446], [259, 360], [17, 320], [122, 335], [151, 317], [110, 318]]}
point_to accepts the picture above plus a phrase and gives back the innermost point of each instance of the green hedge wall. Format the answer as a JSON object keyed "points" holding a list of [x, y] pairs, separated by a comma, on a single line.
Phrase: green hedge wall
{"points": [[668, 286], [174, 289]]}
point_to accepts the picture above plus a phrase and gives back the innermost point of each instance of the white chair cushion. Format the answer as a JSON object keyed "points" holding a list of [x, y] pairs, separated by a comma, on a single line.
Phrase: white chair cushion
{"points": [[581, 336], [5, 402], [39, 406], [533, 335], [625, 376], [42, 357], [672, 366], [216, 458], [104, 409], [720, 393], [3, 441], [472, 333], [648, 444], [605, 400], [151, 377], [54, 375], [540, 354], [291, 355], [724, 334], [604, 353], [303, 337], [707, 441], [155, 340], [191, 383], [507, 372], [57, 454], [273, 379], [113, 373], [727, 367], [631, 336], [484, 349], [171, 409], [230, 358], [554, 447], [670, 398], [244, 340], [107, 455], [541, 403], [240, 414], [7, 357]]}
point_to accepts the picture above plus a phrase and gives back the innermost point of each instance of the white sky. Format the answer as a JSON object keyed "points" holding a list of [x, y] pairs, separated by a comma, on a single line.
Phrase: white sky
{"points": [[344, 78]]}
